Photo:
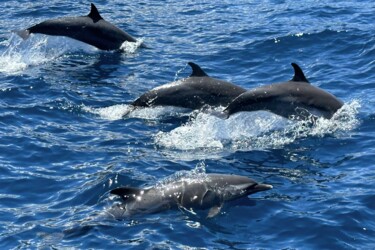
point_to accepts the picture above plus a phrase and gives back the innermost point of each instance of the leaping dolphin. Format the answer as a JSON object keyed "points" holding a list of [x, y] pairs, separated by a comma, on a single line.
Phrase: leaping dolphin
{"points": [[288, 99], [193, 92], [91, 29], [209, 193]]}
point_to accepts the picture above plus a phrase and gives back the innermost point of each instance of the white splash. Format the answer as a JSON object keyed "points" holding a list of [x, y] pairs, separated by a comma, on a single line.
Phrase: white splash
{"points": [[112, 113], [120, 111], [253, 130], [158, 112], [36, 50], [131, 47]]}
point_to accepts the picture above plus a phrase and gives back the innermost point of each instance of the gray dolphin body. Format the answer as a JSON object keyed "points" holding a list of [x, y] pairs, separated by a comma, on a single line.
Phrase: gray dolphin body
{"points": [[193, 92], [287, 99], [91, 29], [211, 192]]}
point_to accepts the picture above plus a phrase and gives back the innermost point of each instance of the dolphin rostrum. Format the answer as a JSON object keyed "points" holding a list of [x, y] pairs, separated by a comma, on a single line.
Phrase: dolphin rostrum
{"points": [[91, 29], [194, 92], [209, 192], [289, 99]]}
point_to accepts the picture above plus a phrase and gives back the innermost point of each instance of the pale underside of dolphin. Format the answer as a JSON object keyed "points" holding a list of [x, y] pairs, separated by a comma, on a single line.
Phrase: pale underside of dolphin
{"points": [[209, 193], [91, 29], [289, 99], [193, 92]]}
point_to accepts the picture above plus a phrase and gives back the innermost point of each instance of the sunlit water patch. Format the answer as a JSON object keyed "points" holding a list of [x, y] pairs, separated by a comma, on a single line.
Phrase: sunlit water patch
{"points": [[253, 130]]}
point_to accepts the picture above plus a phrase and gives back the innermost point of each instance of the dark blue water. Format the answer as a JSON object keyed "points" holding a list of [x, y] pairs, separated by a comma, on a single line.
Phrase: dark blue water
{"points": [[64, 143]]}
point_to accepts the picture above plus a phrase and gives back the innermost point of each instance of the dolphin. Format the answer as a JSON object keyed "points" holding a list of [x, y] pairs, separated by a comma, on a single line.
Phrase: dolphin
{"points": [[193, 92], [209, 192], [289, 99], [91, 29]]}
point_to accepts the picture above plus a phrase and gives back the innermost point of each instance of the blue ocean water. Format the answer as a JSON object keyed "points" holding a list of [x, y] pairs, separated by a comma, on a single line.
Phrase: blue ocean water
{"points": [[64, 142]]}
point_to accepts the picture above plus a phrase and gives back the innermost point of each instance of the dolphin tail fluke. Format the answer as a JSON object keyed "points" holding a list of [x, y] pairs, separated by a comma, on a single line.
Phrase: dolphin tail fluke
{"points": [[24, 34]]}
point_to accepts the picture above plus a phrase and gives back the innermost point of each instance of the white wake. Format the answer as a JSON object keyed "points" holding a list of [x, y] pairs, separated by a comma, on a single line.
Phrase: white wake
{"points": [[254, 130]]}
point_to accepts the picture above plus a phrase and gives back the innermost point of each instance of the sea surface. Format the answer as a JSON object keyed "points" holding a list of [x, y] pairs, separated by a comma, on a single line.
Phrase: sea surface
{"points": [[65, 142]]}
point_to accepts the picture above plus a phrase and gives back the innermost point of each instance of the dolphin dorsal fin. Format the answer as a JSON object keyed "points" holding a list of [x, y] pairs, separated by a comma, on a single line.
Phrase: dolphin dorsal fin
{"points": [[94, 14], [197, 71], [299, 76], [126, 192]]}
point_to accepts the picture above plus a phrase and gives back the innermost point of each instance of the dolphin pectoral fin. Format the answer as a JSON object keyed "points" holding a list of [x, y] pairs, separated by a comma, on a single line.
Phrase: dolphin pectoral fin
{"points": [[213, 211], [94, 14], [299, 76], [126, 192], [197, 71], [24, 34], [145, 46], [130, 109], [219, 114]]}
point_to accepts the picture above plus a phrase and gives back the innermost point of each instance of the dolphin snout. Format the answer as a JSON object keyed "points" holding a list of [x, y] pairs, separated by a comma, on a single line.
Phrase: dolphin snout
{"points": [[262, 187], [256, 187]]}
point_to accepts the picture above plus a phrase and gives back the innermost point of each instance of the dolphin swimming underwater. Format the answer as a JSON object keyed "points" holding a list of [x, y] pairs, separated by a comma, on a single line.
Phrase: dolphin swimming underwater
{"points": [[193, 92], [207, 193], [91, 29], [289, 99]]}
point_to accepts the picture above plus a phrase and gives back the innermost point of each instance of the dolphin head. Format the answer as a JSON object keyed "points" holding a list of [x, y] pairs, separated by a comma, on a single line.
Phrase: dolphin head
{"points": [[235, 186]]}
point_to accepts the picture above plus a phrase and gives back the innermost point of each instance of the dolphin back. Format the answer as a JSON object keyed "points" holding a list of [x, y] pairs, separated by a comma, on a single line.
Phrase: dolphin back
{"points": [[194, 92]]}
